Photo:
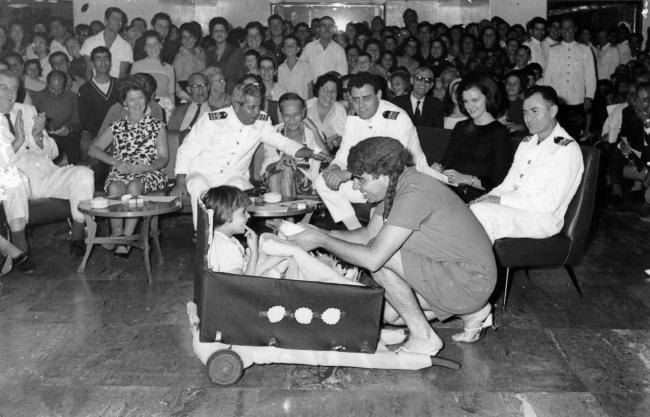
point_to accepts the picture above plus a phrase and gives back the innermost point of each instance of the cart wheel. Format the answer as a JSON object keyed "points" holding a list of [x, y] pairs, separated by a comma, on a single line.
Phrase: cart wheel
{"points": [[225, 367]]}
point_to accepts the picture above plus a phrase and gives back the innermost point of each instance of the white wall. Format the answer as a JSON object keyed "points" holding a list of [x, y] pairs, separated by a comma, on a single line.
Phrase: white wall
{"points": [[239, 12]]}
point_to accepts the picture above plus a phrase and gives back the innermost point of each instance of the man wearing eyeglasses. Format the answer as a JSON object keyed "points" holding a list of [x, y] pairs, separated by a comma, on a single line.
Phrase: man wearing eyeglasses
{"points": [[185, 116], [374, 117], [424, 109]]}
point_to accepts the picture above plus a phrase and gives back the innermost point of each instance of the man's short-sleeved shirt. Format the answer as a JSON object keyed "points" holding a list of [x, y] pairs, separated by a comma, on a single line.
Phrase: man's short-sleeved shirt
{"points": [[121, 51]]}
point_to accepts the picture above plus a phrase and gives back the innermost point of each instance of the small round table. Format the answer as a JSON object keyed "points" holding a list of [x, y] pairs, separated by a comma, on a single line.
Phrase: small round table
{"points": [[285, 208], [149, 211]]}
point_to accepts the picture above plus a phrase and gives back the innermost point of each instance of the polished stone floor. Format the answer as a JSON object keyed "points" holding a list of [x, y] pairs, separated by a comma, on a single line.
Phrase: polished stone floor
{"points": [[107, 344]]}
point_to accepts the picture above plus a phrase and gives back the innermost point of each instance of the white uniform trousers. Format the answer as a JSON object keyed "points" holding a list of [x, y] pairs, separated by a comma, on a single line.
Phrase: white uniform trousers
{"points": [[338, 202], [16, 203], [198, 183], [73, 183], [502, 221]]}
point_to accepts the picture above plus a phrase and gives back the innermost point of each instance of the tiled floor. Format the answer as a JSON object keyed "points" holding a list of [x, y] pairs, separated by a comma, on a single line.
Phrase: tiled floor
{"points": [[107, 344]]}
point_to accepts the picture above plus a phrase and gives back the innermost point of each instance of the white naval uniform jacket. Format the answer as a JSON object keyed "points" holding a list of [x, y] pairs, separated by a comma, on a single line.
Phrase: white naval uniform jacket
{"points": [[390, 121], [220, 147], [543, 178]]}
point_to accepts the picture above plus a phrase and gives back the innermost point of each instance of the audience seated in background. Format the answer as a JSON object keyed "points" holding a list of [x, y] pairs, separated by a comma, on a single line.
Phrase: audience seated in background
{"points": [[546, 172], [479, 153], [422, 108], [283, 173], [160, 23], [61, 109], [35, 150], [139, 153], [96, 97], [328, 115]]}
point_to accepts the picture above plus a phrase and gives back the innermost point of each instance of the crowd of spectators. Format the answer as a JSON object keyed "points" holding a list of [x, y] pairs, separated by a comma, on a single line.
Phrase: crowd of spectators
{"points": [[466, 78]]}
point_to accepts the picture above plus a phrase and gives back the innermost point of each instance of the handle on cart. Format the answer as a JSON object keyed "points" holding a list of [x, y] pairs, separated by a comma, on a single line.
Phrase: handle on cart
{"points": [[445, 363]]}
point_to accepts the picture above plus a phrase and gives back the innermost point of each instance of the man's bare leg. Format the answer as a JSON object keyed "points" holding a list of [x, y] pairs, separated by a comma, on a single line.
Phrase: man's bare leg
{"points": [[422, 339]]}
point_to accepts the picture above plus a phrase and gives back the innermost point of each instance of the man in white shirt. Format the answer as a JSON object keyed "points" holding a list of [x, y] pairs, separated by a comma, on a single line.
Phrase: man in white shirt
{"points": [[219, 148], [537, 30], [545, 174], [323, 54], [571, 72], [374, 117], [608, 57], [121, 51]]}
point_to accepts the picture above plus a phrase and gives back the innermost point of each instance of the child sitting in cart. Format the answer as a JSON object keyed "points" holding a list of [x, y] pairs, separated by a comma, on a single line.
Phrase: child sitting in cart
{"points": [[269, 256]]}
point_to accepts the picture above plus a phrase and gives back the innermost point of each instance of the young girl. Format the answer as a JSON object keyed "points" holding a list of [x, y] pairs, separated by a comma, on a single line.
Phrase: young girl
{"points": [[229, 217], [275, 258], [285, 174]]}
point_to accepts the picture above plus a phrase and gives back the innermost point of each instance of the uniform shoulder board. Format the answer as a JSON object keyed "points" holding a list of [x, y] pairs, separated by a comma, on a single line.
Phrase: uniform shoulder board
{"points": [[263, 117], [217, 115], [527, 138], [559, 140], [390, 115]]}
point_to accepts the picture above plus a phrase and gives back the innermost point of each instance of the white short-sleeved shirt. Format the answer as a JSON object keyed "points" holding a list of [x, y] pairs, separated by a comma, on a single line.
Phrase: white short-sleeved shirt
{"points": [[226, 254], [295, 80], [121, 51], [325, 60]]}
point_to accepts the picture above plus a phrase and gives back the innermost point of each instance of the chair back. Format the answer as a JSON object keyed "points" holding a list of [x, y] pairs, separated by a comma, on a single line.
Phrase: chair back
{"points": [[434, 142], [202, 238], [577, 218]]}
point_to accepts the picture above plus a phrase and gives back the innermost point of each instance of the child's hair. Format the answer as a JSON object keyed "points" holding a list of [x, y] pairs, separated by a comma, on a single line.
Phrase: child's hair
{"points": [[284, 98], [223, 201], [253, 52]]}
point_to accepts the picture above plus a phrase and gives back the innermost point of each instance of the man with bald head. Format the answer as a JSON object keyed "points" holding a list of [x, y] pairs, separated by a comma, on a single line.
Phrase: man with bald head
{"points": [[24, 128], [61, 109]]}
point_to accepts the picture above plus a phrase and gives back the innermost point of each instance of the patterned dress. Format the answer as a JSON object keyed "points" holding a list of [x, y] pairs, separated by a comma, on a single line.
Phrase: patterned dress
{"points": [[136, 144]]}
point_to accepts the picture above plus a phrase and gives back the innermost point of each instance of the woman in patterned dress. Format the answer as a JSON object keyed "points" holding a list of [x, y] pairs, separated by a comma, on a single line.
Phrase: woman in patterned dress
{"points": [[139, 153]]}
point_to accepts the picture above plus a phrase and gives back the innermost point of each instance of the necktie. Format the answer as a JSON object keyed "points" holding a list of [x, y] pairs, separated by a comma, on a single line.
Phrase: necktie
{"points": [[11, 125], [418, 114], [195, 118]]}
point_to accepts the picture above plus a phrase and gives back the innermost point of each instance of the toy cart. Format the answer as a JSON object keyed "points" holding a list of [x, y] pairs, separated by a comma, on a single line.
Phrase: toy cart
{"points": [[240, 320]]}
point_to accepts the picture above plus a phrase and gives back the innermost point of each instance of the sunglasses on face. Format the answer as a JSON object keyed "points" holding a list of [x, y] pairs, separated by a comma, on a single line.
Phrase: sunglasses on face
{"points": [[425, 79]]}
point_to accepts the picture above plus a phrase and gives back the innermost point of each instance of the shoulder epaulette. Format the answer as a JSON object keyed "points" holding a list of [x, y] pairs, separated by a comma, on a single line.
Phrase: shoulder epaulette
{"points": [[527, 138], [217, 115], [559, 140], [263, 117], [390, 115]]}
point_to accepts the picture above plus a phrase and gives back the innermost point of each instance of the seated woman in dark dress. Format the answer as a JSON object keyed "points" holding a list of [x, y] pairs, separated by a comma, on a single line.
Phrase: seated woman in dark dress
{"points": [[479, 154]]}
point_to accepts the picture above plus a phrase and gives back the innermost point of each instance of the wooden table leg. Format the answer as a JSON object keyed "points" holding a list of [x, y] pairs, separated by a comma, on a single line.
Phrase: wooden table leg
{"points": [[144, 235], [91, 225], [155, 239]]}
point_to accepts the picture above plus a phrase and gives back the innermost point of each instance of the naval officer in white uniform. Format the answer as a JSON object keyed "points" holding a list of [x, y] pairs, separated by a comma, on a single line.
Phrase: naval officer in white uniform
{"points": [[545, 174], [219, 148], [374, 117]]}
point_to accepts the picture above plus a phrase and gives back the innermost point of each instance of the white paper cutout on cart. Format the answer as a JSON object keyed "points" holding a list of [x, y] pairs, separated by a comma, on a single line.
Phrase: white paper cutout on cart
{"points": [[303, 315]]}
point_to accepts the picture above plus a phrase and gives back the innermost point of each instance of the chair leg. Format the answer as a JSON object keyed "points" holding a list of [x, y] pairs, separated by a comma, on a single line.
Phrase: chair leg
{"points": [[506, 287], [574, 279]]}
